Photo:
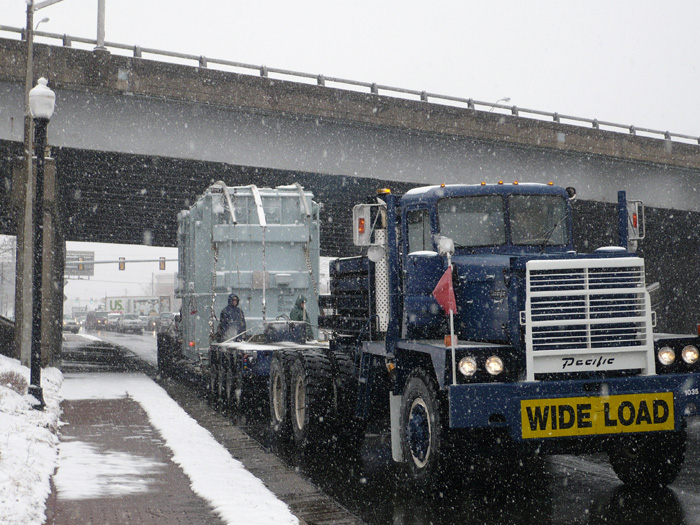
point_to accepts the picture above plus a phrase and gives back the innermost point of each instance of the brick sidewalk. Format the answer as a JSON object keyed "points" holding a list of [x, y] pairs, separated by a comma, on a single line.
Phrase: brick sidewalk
{"points": [[114, 468]]}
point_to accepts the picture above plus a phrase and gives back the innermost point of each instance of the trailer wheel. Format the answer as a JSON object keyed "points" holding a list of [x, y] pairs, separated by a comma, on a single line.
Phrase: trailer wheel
{"points": [[213, 387], [311, 389], [223, 367], [164, 354], [279, 393], [650, 461], [348, 430], [422, 433], [229, 397]]}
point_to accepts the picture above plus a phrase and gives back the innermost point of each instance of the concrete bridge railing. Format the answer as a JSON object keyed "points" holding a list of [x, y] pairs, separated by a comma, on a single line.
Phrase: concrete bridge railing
{"points": [[370, 87]]}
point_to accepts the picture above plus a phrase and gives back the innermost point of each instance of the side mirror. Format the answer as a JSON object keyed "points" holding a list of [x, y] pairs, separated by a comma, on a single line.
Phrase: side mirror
{"points": [[446, 246], [635, 220]]}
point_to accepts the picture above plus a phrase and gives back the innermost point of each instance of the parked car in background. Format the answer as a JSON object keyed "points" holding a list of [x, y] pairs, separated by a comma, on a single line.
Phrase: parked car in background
{"points": [[165, 320], [113, 321], [96, 320], [70, 324], [131, 323], [149, 322]]}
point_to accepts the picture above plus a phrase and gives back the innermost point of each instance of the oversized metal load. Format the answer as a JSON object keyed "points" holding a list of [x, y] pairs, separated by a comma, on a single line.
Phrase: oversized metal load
{"points": [[260, 243]]}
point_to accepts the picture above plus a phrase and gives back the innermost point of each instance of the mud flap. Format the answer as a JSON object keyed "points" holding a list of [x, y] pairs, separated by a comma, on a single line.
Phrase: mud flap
{"points": [[395, 415]]}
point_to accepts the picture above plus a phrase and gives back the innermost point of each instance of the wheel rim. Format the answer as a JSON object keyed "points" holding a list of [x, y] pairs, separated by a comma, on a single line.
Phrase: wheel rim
{"points": [[419, 433], [277, 398], [300, 402]]}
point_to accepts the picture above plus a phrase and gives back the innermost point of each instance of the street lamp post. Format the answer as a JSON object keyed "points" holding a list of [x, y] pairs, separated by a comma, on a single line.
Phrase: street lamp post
{"points": [[41, 103]]}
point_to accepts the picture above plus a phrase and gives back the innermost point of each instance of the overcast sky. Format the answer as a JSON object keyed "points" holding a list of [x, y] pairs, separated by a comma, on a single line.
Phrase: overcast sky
{"points": [[626, 61]]}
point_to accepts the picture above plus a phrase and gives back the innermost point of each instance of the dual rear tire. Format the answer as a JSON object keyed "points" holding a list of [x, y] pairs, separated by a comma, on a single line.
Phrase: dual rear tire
{"points": [[300, 390], [224, 388]]}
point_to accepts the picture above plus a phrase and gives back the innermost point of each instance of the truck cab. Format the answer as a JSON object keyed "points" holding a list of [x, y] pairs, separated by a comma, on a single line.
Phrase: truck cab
{"points": [[536, 345], [491, 227]]}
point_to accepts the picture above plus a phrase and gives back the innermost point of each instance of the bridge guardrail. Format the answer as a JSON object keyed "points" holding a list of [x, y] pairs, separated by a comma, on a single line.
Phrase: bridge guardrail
{"points": [[373, 87]]}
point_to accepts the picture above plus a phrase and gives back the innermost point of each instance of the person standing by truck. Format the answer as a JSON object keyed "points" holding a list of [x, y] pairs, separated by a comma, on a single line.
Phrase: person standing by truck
{"points": [[231, 320], [298, 313]]}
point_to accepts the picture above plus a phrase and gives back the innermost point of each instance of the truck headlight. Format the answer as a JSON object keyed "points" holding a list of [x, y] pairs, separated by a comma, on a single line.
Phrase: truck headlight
{"points": [[690, 354], [494, 365], [467, 366], [666, 355]]}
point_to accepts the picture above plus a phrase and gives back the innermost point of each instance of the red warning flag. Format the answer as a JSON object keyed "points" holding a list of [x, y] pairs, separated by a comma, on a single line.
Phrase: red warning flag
{"points": [[444, 293]]}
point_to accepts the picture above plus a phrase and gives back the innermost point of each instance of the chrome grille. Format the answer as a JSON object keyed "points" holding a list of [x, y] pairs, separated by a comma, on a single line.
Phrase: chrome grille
{"points": [[586, 305]]}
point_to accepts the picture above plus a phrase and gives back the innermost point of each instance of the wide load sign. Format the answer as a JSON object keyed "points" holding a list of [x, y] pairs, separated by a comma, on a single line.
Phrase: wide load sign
{"points": [[582, 416]]}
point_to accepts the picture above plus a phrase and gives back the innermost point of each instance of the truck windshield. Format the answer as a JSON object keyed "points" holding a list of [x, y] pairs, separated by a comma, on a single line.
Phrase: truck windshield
{"points": [[473, 221], [538, 219]]}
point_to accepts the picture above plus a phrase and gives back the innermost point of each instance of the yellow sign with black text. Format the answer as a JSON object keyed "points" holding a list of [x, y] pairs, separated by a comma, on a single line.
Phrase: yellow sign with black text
{"points": [[582, 416]]}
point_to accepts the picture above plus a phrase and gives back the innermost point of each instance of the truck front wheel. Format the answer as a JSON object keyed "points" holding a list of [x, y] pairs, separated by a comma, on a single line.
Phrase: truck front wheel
{"points": [[422, 432], [651, 461]]}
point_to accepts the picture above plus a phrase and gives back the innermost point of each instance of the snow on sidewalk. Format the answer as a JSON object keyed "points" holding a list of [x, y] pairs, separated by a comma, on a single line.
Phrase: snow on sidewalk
{"points": [[235, 494], [28, 443]]}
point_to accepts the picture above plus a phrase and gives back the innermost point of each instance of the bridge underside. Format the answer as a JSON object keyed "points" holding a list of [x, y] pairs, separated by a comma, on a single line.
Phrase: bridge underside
{"points": [[134, 199]]}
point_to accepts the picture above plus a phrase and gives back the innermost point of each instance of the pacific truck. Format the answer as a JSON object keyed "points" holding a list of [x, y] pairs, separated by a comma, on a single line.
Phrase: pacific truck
{"points": [[472, 325]]}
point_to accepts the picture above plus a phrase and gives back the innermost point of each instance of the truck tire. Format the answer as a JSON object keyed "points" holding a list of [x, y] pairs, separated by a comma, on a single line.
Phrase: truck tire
{"points": [[213, 384], [311, 399], [649, 462], [348, 430], [222, 369], [279, 394], [422, 432], [164, 354], [228, 387]]}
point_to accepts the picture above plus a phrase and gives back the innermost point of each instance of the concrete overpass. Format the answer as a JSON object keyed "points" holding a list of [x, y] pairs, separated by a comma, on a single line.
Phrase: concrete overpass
{"points": [[136, 140]]}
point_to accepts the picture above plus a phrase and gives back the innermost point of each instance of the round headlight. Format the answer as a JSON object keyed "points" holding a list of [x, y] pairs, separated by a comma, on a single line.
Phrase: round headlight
{"points": [[494, 365], [690, 354], [666, 355], [467, 365]]}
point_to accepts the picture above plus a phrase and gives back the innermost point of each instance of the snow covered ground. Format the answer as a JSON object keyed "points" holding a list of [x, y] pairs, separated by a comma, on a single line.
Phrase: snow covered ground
{"points": [[28, 445], [30, 451], [236, 495]]}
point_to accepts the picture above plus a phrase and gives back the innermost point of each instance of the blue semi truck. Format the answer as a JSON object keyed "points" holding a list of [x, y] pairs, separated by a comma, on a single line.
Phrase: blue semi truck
{"points": [[472, 325]]}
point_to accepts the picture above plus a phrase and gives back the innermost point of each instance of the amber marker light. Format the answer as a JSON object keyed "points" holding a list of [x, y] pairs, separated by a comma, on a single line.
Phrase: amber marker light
{"points": [[383, 191]]}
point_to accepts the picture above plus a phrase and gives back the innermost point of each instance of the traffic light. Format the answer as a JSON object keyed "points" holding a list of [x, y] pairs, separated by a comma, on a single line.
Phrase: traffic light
{"points": [[161, 263], [122, 263]]}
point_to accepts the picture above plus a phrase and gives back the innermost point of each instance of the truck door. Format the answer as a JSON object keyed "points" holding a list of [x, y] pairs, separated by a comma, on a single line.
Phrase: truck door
{"points": [[422, 271]]}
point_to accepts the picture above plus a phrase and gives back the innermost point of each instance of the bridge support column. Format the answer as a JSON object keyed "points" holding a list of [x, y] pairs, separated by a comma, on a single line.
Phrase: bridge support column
{"points": [[53, 266]]}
